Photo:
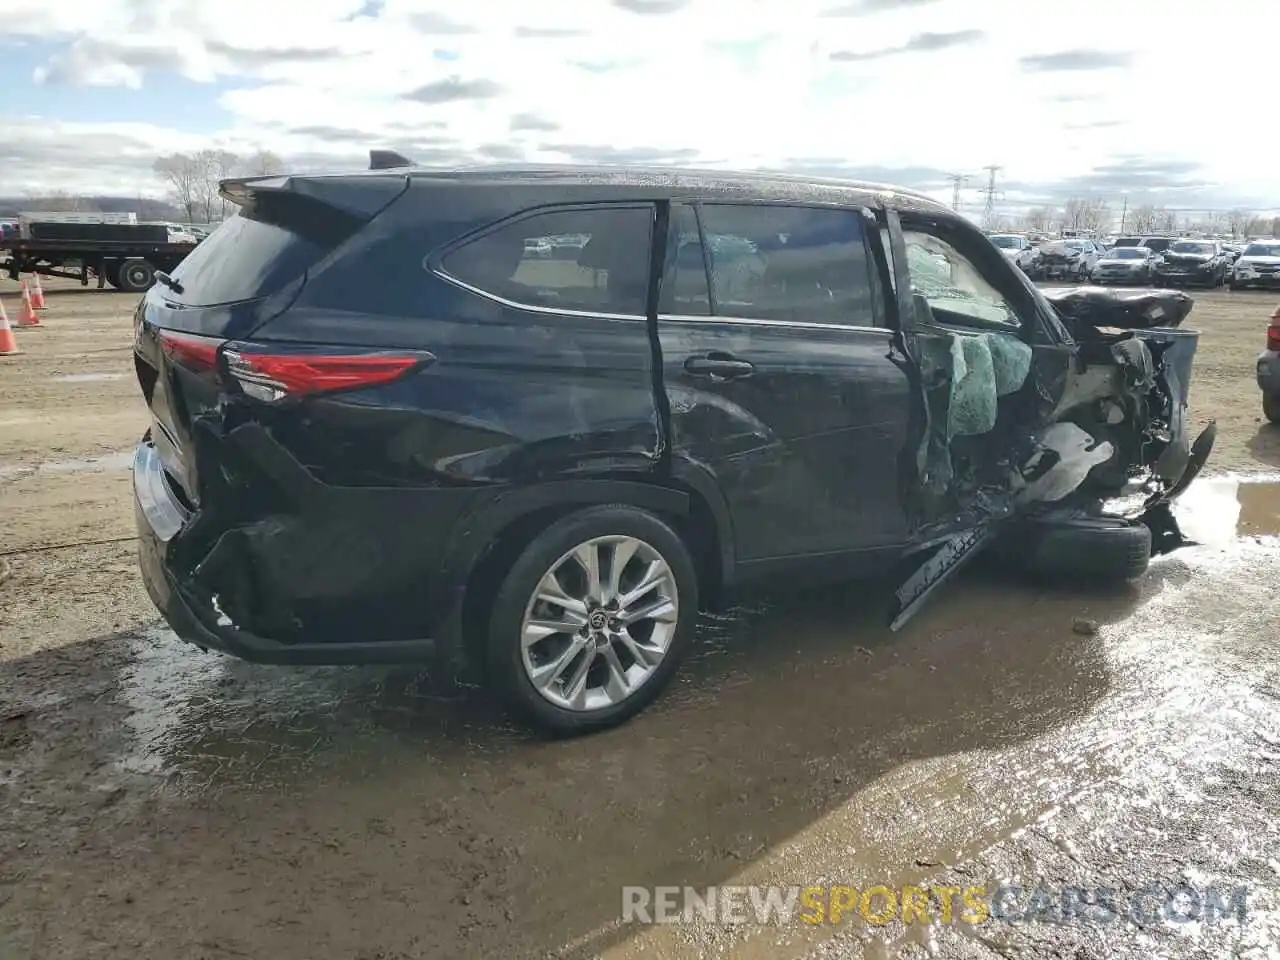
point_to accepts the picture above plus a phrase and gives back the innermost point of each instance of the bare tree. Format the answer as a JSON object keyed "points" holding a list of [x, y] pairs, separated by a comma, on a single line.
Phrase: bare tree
{"points": [[1166, 221], [1142, 220], [1097, 215], [1086, 213], [262, 163], [1255, 226], [1074, 213], [1037, 220], [60, 201], [1241, 222], [182, 175]]}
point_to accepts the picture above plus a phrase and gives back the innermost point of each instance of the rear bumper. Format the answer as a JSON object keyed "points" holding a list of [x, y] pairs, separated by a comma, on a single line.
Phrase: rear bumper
{"points": [[162, 522]]}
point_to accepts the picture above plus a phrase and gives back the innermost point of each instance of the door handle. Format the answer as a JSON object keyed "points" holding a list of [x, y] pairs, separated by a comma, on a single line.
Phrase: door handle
{"points": [[721, 366]]}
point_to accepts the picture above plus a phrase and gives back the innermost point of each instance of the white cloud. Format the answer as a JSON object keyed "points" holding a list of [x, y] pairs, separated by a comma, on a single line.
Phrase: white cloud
{"points": [[913, 88]]}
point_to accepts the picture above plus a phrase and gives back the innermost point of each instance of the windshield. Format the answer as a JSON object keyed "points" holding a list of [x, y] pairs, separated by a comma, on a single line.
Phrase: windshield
{"points": [[1074, 244], [1262, 250], [1187, 246], [1006, 242], [1127, 253]]}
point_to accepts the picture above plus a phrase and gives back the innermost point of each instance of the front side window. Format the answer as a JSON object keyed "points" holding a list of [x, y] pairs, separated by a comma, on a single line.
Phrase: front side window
{"points": [[955, 290], [593, 259], [777, 262]]}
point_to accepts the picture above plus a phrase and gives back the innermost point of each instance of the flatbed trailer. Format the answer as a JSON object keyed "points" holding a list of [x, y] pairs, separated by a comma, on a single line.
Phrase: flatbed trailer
{"points": [[128, 265]]}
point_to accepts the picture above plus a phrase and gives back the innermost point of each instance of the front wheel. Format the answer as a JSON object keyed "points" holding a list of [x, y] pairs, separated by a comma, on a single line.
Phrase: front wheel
{"points": [[591, 621], [1271, 406]]}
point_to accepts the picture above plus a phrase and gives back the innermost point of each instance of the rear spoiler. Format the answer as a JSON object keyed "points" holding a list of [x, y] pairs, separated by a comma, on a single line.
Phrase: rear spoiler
{"points": [[388, 160], [360, 195]]}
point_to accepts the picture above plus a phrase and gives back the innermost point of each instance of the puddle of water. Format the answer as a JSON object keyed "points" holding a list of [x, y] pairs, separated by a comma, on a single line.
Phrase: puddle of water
{"points": [[120, 460], [1217, 511], [87, 377]]}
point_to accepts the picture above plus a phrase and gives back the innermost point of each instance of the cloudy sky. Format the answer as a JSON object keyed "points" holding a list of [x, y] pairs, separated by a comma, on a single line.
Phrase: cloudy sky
{"points": [[1151, 98]]}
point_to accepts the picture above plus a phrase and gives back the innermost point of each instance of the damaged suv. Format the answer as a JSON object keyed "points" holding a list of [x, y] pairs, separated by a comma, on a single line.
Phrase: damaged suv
{"points": [[527, 422]]}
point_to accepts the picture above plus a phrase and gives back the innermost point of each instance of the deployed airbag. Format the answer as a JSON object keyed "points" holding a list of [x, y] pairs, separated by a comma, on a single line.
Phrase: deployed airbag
{"points": [[1072, 452], [984, 367]]}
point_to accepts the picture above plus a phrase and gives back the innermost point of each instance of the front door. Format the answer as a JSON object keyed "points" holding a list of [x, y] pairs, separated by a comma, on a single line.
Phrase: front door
{"points": [[782, 377]]}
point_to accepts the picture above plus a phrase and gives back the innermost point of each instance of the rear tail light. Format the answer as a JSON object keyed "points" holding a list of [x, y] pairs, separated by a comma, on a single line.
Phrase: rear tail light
{"points": [[275, 374], [195, 353], [1273, 332]]}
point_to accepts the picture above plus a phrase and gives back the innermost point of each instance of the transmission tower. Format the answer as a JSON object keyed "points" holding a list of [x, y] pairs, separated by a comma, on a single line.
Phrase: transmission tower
{"points": [[958, 180], [989, 211]]}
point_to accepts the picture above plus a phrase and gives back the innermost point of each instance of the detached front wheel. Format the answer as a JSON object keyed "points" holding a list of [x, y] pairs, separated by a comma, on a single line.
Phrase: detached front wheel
{"points": [[1271, 407], [593, 618]]}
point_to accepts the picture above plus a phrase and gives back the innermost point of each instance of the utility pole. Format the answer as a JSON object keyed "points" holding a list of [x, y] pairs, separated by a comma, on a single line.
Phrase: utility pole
{"points": [[957, 181], [1124, 212], [989, 211]]}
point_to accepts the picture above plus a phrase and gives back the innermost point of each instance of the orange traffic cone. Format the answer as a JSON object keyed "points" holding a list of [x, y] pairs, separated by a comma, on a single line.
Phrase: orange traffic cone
{"points": [[28, 317], [37, 292], [8, 345]]}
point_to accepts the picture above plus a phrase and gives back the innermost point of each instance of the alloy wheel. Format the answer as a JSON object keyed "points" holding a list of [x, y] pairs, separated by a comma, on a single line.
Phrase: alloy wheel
{"points": [[599, 623]]}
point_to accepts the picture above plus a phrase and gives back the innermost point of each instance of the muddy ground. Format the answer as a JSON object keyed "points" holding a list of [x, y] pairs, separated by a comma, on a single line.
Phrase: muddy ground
{"points": [[157, 802]]}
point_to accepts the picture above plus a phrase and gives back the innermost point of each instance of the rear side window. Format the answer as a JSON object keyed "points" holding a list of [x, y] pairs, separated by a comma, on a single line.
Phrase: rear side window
{"points": [[774, 262], [269, 243], [593, 259]]}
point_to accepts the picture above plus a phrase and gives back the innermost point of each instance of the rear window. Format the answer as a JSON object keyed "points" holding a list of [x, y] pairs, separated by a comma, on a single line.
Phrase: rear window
{"points": [[269, 243]]}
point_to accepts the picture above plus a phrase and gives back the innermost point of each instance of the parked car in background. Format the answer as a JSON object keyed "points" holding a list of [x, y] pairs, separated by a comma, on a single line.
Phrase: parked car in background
{"points": [[1016, 248], [1124, 265], [1157, 244], [1066, 259], [1192, 263], [1257, 266], [1232, 251], [1269, 370], [1127, 242]]}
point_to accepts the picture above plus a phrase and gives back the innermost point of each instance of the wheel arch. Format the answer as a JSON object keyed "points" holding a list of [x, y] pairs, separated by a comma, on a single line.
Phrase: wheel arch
{"points": [[488, 542]]}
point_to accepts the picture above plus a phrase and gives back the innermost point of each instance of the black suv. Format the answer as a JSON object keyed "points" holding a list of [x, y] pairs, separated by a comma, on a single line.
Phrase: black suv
{"points": [[528, 422]]}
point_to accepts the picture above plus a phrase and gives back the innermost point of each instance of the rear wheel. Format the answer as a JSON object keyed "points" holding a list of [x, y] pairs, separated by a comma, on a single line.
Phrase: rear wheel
{"points": [[1271, 406], [591, 621], [135, 275]]}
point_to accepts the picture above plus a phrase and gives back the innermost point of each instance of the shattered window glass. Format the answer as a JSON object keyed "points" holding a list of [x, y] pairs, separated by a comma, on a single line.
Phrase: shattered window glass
{"points": [[777, 262], [956, 292]]}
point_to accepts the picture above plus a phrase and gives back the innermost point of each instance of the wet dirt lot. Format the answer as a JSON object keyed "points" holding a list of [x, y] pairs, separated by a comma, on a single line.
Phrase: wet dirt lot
{"points": [[157, 802]]}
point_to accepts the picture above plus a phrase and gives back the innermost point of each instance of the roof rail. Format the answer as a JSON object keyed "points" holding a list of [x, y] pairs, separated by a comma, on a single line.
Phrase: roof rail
{"points": [[387, 160]]}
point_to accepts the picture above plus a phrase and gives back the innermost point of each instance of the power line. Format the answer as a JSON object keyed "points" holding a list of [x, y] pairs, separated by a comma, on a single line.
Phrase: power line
{"points": [[989, 211], [958, 180]]}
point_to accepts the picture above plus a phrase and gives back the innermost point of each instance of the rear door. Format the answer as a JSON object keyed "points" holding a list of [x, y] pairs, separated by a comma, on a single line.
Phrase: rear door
{"points": [[782, 378]]}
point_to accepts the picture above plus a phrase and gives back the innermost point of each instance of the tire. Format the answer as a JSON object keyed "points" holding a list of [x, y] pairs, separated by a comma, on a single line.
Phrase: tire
{"points": [[559, 711], [1271, 406], [135, 275], [1088, 550]]}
